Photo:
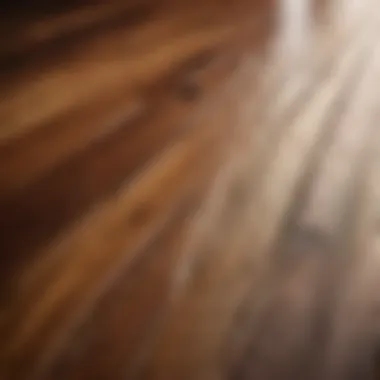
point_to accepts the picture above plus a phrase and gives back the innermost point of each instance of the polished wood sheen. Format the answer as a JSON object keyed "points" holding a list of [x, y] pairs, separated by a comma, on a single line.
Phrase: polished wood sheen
{"points": [[189, 190]]}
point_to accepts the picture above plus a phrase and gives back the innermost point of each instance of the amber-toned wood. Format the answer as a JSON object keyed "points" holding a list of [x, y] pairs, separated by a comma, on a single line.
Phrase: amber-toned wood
{"points": [[189, 190]]}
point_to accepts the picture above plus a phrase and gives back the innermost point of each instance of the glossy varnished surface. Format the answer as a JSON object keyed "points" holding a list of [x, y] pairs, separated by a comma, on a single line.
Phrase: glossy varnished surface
{"points": [[189, 190]]}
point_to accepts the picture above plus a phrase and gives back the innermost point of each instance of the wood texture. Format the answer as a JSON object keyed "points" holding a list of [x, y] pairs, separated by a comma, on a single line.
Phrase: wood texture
{"points": [[189, 190]]}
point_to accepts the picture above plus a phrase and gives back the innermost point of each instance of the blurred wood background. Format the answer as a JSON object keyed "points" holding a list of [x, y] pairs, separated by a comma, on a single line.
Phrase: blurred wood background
{"points": [[189, 190]]}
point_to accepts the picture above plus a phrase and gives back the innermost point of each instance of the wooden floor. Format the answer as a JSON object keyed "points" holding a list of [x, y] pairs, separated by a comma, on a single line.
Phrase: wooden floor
{"points": [[190, 190]]}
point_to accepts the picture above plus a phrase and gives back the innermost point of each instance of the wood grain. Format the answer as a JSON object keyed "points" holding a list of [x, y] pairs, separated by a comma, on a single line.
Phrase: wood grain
{"points": [[189, 190]]}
